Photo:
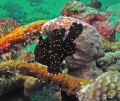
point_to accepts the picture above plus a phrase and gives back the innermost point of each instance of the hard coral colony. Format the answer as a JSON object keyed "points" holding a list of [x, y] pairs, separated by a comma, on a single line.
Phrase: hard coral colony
{"points": [[74, 40]]}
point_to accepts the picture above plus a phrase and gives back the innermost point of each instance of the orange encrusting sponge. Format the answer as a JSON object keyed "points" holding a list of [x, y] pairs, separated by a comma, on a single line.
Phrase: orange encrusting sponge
{"points": [[69, 84], [19, 35]]}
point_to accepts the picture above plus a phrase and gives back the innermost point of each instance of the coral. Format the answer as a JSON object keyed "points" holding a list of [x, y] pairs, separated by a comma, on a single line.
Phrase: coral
{"points": [[7, 26], [87, 45], [31, 85], [76, 9], [82, 12], [69, 84], [20, 53], [106, 29], [16, 79], [109, 58], [52, 50], [106, 13], [105, 88], [103, 26], [22, 35], [94, 3], [94, 17], [114, 67], [72, 8], [81, 64], [110, 46], [117, 27], [29, 57]]}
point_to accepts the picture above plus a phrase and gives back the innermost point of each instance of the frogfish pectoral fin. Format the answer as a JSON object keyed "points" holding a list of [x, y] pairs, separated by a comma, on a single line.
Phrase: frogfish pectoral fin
{"points": [[53, 69]]}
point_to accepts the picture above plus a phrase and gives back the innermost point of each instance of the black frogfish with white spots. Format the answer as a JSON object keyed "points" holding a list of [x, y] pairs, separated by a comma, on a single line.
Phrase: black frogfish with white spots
{"points": [[52, 50]]}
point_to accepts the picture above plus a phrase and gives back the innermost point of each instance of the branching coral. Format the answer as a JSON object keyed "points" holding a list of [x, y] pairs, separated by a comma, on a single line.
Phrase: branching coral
{"points": [[7, 26]]}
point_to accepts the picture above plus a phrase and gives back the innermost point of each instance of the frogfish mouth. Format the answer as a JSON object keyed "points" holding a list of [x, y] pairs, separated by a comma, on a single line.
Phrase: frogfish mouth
{"points": [[52, 50]]}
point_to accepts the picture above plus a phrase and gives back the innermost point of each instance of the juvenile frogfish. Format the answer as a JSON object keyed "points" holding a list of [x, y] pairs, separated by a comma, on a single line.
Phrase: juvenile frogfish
{"points": [[52, 50]]}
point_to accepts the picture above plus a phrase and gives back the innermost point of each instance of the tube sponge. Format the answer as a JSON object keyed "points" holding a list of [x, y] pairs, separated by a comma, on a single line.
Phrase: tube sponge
{"points": [[30, 86]]}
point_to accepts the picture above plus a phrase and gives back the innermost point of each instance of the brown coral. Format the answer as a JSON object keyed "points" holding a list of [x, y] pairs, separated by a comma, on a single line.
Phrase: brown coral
{"points": [[105, 88]]}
